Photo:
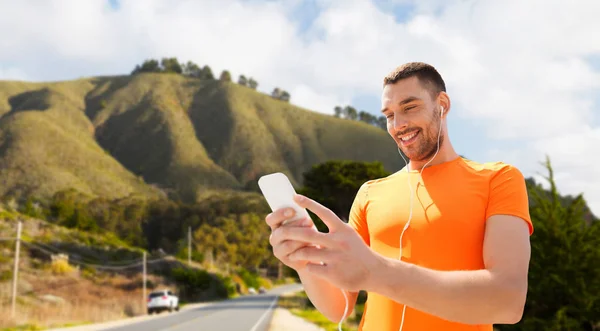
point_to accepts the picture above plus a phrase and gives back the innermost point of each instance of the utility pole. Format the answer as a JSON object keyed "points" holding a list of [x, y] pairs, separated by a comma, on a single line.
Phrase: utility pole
{"points": [[16, 270], [190, 246], [144, 281], [279, 270]]}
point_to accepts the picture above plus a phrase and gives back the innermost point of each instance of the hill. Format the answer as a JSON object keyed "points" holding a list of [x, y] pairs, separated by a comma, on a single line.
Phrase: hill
{"points": [[149, 134]]}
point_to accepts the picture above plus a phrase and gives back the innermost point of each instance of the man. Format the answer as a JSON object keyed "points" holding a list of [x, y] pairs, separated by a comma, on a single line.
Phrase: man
{"points": [[465, 252]]}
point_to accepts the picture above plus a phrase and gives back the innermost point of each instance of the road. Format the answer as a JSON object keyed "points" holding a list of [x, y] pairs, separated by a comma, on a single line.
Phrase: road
{"points": [[247, 313]]}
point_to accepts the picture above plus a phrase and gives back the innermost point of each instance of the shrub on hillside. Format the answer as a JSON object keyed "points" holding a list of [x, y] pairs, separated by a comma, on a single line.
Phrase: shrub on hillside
{"points": [[225, 287], [199, 285], [251, 280], [61, 267]]}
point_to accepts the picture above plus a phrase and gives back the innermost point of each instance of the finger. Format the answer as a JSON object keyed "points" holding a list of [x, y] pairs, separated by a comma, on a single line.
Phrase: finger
{"points": [[304, 234], [277, 217], [305, 222], [285, 248], [311, 254], [325, 214], [287, 232]]}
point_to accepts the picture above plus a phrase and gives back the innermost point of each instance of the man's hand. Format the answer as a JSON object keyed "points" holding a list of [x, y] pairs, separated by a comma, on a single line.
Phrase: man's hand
{"points": [[347, 260], [283, 247]]}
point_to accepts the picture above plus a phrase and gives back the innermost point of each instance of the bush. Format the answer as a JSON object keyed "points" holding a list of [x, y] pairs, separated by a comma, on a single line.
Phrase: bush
{"points": [[61, 267], [198, 285], [192, 282], [225, 287], [266, 283], [251, 280]]}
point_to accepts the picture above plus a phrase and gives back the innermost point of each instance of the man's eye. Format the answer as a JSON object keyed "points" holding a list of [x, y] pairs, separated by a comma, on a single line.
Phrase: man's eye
{"points": [[409, 108]]}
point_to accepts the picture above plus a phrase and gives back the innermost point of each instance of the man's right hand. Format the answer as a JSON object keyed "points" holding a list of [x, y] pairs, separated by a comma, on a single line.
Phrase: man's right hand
{"points": [[282, 247]]}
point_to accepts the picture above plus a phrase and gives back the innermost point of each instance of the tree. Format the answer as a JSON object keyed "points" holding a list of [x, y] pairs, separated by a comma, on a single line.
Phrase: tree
{"points": [[243, 80], [350, 112], [191, 69], [171, 65], [564, 273], [335, 184], [285, 96], [225, 76], [337, 111], [166, 65], [382, 122], [276, 93], [207, 73], [280, 94], [368, 118], [252, 83], [150, 65]]}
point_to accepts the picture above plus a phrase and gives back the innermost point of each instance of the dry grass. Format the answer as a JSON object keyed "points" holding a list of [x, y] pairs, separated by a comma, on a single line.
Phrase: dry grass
{"points": [[79, 299]]}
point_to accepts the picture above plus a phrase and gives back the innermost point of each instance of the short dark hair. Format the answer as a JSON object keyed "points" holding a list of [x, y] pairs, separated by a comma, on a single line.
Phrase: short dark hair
{"points": [[429, 77]]}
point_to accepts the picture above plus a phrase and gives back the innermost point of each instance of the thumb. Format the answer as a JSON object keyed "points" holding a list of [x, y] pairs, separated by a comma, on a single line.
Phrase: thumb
{"points": [[325, 214]]}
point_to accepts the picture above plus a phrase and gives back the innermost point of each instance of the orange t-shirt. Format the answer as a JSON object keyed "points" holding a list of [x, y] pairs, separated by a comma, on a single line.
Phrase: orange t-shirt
{"points": [[450, 207]]}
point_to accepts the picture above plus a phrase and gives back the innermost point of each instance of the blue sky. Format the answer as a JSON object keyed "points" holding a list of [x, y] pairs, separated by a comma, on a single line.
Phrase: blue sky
{"points": [[519, 90]]}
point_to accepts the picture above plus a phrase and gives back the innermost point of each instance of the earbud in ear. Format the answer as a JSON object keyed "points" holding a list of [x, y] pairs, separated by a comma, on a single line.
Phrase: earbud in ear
{"points": [[442, 112]]}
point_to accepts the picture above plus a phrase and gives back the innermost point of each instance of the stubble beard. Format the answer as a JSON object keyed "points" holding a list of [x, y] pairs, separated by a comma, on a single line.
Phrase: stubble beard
{"points": [[428, 144]]}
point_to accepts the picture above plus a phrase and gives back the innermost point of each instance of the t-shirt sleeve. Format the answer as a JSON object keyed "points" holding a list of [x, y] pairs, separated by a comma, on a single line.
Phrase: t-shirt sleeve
{"points": [[358, 219], [508, 195]]}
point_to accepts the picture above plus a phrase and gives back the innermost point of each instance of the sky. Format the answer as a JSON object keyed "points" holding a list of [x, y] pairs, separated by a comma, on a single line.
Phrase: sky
{"points": [[523, 76]]}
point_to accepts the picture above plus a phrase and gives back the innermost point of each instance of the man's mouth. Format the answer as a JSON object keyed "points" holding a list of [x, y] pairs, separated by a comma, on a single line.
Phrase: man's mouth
{"points": [[408, 138]]}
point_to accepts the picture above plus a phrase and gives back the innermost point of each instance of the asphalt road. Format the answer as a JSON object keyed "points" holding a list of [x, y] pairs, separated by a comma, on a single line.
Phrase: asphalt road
{"points": [[247, 313]]}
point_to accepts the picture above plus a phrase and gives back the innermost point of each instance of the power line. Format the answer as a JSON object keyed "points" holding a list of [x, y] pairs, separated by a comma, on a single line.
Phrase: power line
{"points": [[57, 251], [93, 265]]}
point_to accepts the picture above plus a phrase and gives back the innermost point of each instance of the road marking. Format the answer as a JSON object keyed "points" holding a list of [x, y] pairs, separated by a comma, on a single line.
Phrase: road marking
{"points": [[265, 314]]}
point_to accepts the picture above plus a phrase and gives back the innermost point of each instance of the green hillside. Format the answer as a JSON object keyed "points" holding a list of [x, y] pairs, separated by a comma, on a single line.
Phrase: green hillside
{"points": [[47, 144], [116, 136]]}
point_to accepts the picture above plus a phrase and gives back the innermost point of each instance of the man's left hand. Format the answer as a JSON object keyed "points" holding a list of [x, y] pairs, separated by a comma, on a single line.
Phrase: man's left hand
{"points": [[347, 261]]}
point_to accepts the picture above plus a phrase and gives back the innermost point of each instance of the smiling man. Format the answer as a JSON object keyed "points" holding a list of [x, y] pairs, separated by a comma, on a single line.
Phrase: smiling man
{"points": [[442, 244]]}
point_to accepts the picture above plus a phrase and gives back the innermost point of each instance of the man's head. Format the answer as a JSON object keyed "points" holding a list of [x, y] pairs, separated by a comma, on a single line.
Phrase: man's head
{"points": [[413, 97]]}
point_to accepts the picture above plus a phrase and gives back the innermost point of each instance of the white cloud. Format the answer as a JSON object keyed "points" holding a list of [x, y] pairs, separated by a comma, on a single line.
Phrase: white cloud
{"points": [[307, 97], [518, 66]]}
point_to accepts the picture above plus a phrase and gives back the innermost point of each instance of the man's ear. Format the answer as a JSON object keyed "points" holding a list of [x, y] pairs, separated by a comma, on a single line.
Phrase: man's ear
{"points": [[444, 101]]}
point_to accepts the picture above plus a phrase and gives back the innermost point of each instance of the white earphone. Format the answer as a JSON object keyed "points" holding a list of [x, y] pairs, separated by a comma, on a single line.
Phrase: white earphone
{"points": [[411, 197], [409, 217]]}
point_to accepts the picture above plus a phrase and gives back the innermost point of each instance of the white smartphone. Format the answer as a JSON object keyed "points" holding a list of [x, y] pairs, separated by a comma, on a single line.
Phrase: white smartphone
{"points": [[279, 193]]}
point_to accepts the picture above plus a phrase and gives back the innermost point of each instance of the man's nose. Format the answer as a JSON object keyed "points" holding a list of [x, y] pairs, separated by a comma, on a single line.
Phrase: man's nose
{"points": [[400, 123]]}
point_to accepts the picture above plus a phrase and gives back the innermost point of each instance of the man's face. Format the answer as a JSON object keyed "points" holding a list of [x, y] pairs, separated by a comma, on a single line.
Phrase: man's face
{"points": [[413, 118]]}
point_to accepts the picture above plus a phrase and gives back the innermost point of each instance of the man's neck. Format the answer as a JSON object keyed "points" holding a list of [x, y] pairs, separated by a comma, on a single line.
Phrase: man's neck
{"points": [[446, 154]]}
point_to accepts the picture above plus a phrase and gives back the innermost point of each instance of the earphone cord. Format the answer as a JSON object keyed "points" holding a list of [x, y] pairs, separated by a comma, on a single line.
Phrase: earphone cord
{"points": [[407, 223], [411, 200]]}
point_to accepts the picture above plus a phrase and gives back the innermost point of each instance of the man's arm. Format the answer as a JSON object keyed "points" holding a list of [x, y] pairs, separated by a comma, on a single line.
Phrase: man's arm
{"points": [[327, 298], [492, 295]]}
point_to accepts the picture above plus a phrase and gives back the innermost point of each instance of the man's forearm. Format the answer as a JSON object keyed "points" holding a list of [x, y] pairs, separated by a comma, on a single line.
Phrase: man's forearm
{"points": [[470, 297], [327, 298]]}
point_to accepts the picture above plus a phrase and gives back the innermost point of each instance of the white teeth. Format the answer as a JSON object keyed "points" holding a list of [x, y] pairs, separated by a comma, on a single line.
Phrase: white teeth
{"points": [[405, 138]]}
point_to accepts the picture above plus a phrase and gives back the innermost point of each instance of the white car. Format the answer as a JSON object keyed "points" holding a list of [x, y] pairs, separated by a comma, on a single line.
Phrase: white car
{"points": [[162, 300]]}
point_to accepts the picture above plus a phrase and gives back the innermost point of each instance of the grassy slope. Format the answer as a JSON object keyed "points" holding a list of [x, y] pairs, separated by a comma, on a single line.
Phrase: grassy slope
{"points": [[103, 135], [142, 121], [47, 144], [251, 134]]}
